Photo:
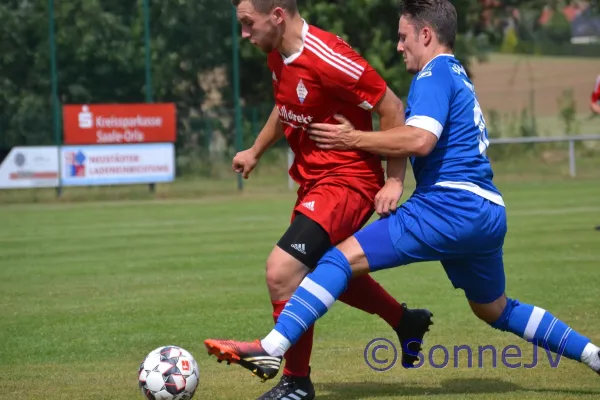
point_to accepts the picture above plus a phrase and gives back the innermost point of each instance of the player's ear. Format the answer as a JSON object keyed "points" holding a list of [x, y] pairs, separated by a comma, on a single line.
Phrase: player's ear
{"points": [[277, 15], [427, 35]]}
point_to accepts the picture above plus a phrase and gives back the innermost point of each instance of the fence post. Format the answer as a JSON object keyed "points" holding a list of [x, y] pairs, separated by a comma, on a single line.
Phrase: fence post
{"points": [[236, 87], [572, 158], [54, 84], [151, 186]]}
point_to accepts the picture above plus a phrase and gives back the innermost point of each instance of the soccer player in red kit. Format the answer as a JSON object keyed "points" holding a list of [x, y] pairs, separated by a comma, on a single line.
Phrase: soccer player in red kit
{"points": [[595, 100], [315, 76]]}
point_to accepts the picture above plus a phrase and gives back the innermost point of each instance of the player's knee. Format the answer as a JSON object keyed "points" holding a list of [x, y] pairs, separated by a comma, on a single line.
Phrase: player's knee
{"points": [[498, 316], [283, 277], [489, 312]]}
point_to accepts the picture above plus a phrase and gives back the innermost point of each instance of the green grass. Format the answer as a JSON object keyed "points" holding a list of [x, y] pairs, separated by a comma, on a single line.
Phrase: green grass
{"points": [[87, 289]]}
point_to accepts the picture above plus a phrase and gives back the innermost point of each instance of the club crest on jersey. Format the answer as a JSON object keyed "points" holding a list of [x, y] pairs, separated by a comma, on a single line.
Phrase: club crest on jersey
{"points": [[301, 91]]}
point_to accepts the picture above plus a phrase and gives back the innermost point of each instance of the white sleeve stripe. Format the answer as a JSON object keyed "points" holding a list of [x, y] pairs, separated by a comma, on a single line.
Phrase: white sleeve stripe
{"points": [[307, 46], [331, 55], [330, 50], [427, 123]]}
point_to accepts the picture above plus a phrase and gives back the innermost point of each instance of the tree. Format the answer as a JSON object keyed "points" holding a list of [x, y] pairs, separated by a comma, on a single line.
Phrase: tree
{"points": [[100, 49]]}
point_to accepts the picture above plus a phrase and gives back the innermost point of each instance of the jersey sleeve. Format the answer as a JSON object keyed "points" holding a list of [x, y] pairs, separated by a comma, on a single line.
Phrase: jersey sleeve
{"points": [[429, 101], [349, 76]]}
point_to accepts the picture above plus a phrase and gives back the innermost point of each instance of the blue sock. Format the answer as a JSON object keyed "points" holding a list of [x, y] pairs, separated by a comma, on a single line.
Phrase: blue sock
{"points": [[538, 326], [313, 298]]}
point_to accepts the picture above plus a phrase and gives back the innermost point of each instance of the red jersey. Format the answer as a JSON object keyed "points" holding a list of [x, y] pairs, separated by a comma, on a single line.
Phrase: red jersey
{"points": [[326, 77], [596, 93]]}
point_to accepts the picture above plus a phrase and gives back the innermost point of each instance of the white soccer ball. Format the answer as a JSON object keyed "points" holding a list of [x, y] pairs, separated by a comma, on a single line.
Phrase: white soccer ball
{"points": [[168, 373]]}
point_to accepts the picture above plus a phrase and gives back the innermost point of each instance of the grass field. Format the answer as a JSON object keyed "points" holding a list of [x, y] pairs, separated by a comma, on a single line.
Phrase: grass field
{"points": [[87, 289]]}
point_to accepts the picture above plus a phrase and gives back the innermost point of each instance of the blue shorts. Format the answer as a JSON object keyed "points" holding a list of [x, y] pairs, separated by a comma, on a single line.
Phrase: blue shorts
{"points": [[462, 230]]}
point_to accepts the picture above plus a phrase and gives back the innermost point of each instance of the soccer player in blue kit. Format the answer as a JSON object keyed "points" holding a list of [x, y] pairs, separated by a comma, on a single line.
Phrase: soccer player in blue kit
{"points": [[456, 215]]}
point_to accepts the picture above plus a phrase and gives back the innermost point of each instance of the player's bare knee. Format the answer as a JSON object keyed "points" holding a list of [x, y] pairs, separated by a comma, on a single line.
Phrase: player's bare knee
{"points": [[489, 312], [355, 255], [283, 275]]}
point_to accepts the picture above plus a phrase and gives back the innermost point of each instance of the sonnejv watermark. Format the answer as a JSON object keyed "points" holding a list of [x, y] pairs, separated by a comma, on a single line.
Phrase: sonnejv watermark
{"points": [[381, 355]]}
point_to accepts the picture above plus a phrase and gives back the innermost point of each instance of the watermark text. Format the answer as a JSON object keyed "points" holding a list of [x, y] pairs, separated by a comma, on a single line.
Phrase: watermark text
{"points": [[381, 355]]}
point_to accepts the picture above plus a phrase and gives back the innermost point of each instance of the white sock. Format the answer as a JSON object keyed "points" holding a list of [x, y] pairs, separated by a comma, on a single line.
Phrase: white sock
{"points": [[275, 344], [590, 356]]}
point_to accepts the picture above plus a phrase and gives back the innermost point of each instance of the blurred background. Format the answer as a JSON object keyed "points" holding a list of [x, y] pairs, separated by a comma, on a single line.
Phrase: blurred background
{"points": [[534, 64]]}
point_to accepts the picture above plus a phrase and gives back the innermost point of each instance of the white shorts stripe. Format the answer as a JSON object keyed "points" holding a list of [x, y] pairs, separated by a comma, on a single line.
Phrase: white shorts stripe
{"points": [[331, 55], [534, 321], [307, 46], [330, 50], [318, 291]]}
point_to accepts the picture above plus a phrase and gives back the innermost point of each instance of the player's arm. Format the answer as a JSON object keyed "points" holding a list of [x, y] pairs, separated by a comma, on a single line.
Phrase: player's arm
{"points": [[406, 141], [429, 106], [391, 115], [245, 161], [428, 109], [356, 82], [269, 135]]}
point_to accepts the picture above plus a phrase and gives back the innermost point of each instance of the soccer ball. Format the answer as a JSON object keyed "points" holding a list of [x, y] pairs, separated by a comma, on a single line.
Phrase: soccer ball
{"points": [[168, 373]]}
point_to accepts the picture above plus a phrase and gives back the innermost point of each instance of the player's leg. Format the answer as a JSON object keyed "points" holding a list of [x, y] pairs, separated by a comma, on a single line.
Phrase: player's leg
{"points": [[317, 292], [482, 278], [342, 212], [303, 243], [385, 243], [350, 213]]}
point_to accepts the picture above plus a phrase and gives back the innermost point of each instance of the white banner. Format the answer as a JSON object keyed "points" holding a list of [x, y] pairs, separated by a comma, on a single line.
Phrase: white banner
{"points": [[117, 164], [30, 167]]}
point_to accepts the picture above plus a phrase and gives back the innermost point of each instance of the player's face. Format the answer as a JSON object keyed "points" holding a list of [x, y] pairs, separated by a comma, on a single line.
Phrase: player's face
{"points": [[263, 30], [409, 45]]}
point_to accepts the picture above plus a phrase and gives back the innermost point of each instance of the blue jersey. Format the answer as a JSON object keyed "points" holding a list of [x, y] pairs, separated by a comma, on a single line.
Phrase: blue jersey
{"points": [[442, 101]]}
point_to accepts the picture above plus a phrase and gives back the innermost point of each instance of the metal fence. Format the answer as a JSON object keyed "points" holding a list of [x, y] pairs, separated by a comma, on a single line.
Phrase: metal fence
{"points": [[517, 140], [570, 139]]}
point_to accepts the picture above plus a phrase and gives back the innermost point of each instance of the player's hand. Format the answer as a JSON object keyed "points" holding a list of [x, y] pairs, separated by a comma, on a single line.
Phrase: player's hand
{"points": [[334, 137], [244, 162], [388, 197]]}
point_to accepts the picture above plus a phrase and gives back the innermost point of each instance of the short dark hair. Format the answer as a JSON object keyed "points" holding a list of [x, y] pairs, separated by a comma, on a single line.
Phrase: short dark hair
{"points": [[440, 15], [265, 6]]}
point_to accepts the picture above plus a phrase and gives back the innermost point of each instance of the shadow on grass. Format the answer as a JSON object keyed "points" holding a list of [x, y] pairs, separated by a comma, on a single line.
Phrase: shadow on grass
{"points": [[360, 390]]}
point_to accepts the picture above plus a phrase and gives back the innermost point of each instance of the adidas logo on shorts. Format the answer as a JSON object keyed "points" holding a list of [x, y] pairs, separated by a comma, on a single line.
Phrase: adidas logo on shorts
{"points": [[310, 205], [299, 247]]}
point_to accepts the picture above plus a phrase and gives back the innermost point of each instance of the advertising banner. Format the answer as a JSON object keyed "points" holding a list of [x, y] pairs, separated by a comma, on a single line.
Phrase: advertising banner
{"points": [[119, 123], [117, 164], [30, 167]]}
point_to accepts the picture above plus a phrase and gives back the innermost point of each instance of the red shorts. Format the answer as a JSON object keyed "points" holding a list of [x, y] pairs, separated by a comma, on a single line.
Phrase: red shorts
{"points": [[339, 205]]}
